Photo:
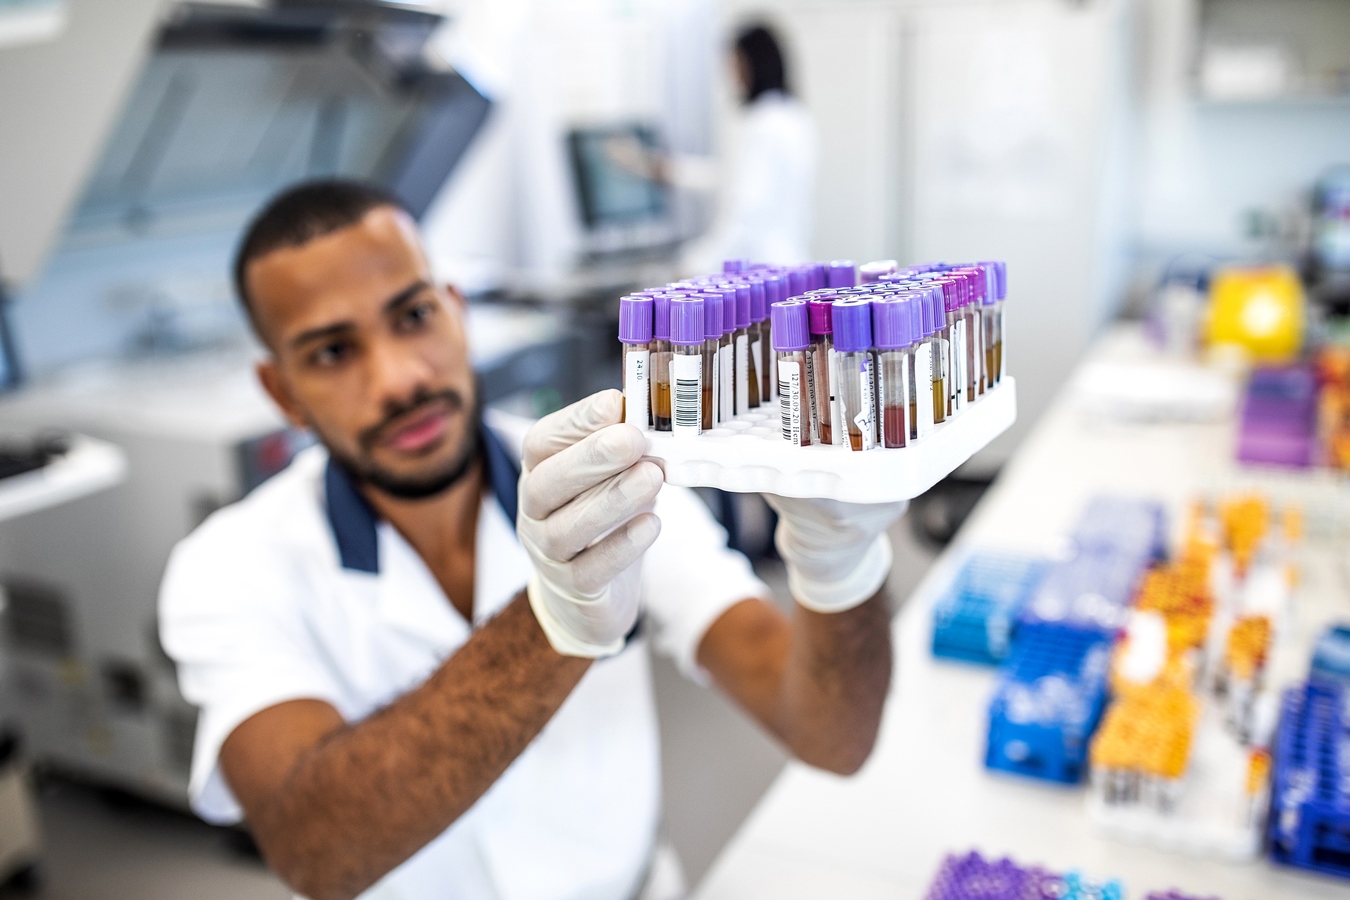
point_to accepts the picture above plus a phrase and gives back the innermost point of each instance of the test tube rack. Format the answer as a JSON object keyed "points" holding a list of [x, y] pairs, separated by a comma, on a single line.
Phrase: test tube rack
{"points": [[1048, 702], [973, 620], [972, 877], [1310, 808], [749, 455]]}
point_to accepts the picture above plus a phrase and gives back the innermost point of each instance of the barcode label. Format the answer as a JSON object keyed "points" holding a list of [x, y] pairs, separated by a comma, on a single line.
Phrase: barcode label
{"points": [[922, 385], [636, 388], [742, 373], [686, 383], [865, 420], [790, 402], [811, 399]]}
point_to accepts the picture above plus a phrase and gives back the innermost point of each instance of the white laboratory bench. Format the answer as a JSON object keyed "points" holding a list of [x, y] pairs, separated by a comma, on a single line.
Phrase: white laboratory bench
{"points": [[925, 792]]}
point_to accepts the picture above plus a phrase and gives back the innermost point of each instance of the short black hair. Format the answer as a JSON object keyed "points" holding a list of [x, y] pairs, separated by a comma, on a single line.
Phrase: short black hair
{"points": [[300, 214], [763, 56]]}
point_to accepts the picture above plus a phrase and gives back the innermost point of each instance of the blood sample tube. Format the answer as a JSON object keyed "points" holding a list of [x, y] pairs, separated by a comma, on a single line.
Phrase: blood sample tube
{"points": [[920, 364], [735, 266], [726, 356], [746, 374], [712, 338], [821, 362], [941, 341], [891, 334], [856, 370], [953, 293], [798, 281], [870, 273], [760, 348], [686, 366], [768, 376], [841, 273], [819, 277], [993, 323], [791, 343], [635, 333], [660, 362]]}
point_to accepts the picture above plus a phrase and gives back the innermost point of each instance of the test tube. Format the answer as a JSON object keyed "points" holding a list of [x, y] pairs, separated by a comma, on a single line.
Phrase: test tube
{"points": [[955, 289], [712, 338], [819, 276], [856, 370], [660, 360], [735, 266], [686, 366], [798, 281], [937, 329], [920, 364], [791, 344], [768, 376], [635, 333], [841, 273], [892, 335], [746, 374], [760, 348], [870, 273], [993, 322], [726, 355], [821, 362]]}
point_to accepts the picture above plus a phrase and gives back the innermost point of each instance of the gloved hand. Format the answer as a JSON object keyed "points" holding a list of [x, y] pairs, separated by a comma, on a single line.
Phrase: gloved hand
{"points": [[837, 554], [585, 519]]}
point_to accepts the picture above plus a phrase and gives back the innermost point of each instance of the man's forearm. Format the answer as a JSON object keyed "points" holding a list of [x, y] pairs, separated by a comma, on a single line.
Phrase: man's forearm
{"points": [[834, 684], [371, 794]]}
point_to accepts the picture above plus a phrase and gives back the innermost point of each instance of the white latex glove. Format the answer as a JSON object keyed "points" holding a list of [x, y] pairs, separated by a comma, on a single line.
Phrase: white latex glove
{"points": [[837, 554], [585, 519]]}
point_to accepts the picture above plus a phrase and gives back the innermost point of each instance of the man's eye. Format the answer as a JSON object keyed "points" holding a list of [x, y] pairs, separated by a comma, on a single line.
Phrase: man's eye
{"points": [[331, 354], [417, 314]]}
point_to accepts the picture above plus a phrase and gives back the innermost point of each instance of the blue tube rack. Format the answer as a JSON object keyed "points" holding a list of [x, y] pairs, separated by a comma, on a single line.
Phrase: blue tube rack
{"points": [[973, 621], [1309, 822], [1047, 705]]}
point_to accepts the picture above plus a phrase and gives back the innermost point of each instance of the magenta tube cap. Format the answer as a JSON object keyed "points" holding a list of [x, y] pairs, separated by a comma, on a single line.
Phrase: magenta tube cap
{"points": [[842, 273], [852, 324], [635, 320], [686, 321], [790, 326], [821, 314]]}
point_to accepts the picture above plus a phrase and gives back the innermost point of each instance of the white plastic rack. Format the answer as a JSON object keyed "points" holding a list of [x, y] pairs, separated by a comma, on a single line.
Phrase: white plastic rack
{"points": [[749, 455]]}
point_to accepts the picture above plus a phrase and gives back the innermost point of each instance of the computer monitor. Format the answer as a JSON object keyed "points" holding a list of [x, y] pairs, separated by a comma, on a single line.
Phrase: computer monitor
{"points": [[616, 180]]}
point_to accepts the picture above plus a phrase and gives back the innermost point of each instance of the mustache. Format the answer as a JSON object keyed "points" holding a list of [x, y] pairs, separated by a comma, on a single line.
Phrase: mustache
{"points": [[397, 409]]}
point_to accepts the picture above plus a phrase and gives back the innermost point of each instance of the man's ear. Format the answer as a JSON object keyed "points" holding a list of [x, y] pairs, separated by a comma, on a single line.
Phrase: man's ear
{"points": [[270, 378]]}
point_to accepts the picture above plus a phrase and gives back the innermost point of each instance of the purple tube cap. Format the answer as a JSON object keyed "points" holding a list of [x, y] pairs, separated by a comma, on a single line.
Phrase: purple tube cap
{"points": [[891, 328], [759, 307], [712, 314], [869, 273], [734, 266], [686, 321], [661, 317], [852, 324], [789, 320], [842, 273], [635, 320]]}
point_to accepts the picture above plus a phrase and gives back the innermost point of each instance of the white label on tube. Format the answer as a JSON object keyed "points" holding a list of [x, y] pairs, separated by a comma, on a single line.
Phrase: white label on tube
{"points": [[757, 354], [742, 373], [1002, 342], [772, 363], [865, 420], [716, 388], [686, 395], [811, 395], [636, 388], [838, 433], [725, 367], [958, 385], [790, 402], [923, 388]]}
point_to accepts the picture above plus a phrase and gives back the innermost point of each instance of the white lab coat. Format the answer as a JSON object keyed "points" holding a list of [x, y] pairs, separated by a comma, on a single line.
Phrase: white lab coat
{"points": [[766, 214]]}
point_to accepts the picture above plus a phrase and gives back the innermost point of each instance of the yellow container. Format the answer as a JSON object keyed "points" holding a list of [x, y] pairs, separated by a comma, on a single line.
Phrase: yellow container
{"points": [[1256, 312]]}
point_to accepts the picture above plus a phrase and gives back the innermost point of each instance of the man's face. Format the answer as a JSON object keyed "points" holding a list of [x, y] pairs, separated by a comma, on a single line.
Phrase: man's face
{"points": [[368, 353]]}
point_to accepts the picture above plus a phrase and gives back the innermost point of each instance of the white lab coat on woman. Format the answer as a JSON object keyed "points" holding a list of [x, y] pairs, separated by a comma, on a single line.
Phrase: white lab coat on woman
{"points": [[766, 214]]}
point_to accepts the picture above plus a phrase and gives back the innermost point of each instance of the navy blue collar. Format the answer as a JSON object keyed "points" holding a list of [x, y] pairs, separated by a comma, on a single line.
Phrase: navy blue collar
{"points": [[353, 520]]}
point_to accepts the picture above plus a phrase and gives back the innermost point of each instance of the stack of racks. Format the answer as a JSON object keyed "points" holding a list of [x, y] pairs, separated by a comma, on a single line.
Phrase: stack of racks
{"points": [[974, 618]]}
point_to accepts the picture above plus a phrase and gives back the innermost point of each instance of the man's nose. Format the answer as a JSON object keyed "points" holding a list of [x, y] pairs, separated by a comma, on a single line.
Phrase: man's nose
{"points": [[395, 373]]}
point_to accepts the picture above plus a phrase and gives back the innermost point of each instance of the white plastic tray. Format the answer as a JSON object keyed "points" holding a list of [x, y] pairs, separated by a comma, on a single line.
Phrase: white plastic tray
{"points": [[748, 455]]}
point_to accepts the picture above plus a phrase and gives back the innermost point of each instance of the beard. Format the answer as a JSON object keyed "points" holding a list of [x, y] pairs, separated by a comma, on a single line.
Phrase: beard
{"points": [[423, 485]]}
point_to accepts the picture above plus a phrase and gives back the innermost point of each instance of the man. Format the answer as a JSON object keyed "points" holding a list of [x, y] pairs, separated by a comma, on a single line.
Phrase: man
{"points": [[403, 694]]}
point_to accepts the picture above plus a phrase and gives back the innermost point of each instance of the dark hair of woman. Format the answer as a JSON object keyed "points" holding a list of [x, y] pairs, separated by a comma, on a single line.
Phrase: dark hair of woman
{"points": [[762, 62]]}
